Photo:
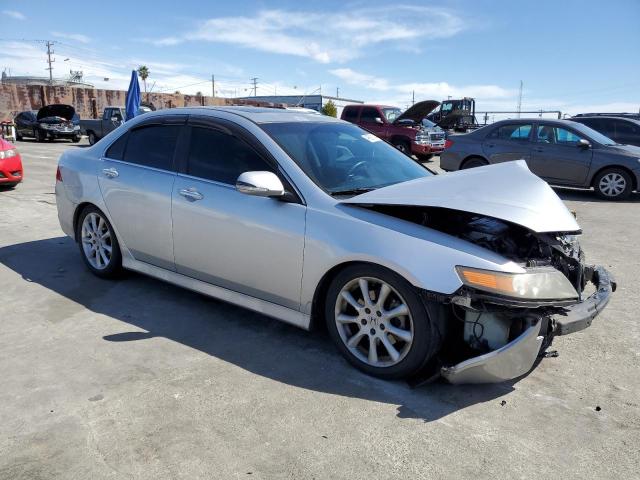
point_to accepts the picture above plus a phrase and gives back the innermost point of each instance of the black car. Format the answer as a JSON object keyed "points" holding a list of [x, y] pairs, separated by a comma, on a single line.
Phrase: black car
{"points": [[624, 130], [49, 123]]}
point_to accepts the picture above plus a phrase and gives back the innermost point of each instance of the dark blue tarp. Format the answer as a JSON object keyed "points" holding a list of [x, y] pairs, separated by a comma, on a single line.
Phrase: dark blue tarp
{"points": [[133, 96]]}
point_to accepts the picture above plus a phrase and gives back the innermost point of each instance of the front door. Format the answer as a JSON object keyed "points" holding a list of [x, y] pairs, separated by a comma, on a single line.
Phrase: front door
{"points": [[136, 179], [559, 156], [252, 245]]}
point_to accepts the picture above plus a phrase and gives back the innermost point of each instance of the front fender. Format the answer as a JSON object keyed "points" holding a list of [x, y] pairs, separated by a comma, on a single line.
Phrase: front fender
{"points": [[426, 258]]}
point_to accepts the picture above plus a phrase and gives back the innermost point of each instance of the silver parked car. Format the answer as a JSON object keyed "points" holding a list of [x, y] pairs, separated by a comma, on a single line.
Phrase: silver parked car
{"points": [[562, 152], [311, 219]]}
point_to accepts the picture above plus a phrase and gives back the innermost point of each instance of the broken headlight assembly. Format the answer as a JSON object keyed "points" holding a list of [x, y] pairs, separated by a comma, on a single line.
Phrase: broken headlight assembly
{"points": [[544, 283]]}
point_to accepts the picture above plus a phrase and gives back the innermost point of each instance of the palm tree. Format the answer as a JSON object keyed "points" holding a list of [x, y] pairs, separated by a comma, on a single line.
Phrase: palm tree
{"points": [[143, 71]]}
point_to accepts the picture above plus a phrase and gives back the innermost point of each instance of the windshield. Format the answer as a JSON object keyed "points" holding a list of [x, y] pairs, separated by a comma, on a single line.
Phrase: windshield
{"points": [[343, 158], [593, 134], [391, 114]]}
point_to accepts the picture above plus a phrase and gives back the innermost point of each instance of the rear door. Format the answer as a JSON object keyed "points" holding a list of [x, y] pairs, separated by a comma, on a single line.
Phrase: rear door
{"points": [[252, 245], [136, 180], [558, 155], [507, 142]]}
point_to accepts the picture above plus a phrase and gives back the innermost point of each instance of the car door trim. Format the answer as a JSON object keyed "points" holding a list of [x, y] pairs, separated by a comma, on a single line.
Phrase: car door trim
{"points": [[279, 312]]}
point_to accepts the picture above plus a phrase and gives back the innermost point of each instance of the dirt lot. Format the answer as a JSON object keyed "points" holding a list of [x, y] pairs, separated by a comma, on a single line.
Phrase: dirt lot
{"points": [[140, 379]]}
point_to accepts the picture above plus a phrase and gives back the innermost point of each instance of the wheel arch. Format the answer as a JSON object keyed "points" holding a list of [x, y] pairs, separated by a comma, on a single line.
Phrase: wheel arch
{"points": [[471, 157], [76, 215], [320, 294], [400, 138], [634, 179]]}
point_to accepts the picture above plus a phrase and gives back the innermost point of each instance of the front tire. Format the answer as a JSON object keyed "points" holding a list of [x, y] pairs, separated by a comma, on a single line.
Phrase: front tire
{"points": [[613, 184], [98, 243], [379, 323], [403, 145], [76, 139], [425, 157], [38, 136]]}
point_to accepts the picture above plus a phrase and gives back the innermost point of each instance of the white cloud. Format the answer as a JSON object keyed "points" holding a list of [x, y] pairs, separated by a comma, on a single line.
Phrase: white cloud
{"points": [[434, 90], [78, 37], [14, 14], [326, 37]]}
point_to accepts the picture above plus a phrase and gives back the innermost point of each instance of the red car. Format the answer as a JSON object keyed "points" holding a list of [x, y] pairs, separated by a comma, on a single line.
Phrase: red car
{"points": [[10, 164], [408, 131]]}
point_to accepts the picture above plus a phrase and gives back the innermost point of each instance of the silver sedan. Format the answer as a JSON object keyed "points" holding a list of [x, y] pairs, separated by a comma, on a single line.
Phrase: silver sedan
{"points": [[313, 220]]}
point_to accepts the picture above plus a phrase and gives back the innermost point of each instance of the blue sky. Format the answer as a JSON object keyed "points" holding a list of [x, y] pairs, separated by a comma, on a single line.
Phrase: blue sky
{"points": [[571, 55]]}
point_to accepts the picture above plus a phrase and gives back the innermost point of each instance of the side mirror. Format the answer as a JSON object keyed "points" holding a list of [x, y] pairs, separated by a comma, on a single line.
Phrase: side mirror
{"points": [[582, 143], [116, 119], [378, 120], [260, 184]]}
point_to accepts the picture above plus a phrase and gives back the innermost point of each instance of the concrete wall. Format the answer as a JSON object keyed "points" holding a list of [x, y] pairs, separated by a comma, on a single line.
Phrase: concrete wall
{"points": [[89, 102]]}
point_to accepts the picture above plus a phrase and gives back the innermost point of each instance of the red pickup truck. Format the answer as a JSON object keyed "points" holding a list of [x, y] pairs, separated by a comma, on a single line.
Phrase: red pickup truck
{"points": [[408, 131]]}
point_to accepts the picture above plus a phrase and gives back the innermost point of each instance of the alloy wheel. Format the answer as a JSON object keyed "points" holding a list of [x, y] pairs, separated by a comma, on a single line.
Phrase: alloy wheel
{"points": [[374, 322], [97, 243], [612, 184]]}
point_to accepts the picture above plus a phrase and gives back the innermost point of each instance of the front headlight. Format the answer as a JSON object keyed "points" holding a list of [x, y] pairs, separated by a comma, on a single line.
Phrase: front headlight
{"points": [[535, 284], [12, 152], [76, 127], [46, 126]]}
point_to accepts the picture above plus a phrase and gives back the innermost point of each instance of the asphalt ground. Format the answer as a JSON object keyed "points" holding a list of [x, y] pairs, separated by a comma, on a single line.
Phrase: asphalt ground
{"points": [[140, 379]]}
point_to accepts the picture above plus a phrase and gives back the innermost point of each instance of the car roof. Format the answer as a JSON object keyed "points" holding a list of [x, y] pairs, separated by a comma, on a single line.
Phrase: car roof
{"points": [[254, 114], [606, 117]]}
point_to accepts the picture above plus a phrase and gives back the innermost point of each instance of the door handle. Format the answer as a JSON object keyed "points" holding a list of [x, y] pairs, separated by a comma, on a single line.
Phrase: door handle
{"points": [[110, 172], [191, 194]]}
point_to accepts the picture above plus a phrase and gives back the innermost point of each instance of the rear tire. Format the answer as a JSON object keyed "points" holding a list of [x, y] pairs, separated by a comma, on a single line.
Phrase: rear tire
{"points": [[98, 244], [19, 137], [425, 157], [474, 162], [38, 136], [394, 321], [92, 138], [613, 184], [76, 139]]}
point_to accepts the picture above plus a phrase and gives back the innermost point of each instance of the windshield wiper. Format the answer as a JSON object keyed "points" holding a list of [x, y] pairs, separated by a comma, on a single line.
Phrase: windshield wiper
{"points": [[351, 191]]}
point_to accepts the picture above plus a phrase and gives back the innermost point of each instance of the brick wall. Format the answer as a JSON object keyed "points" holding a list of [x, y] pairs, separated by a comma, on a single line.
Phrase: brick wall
{"points": [[89, 102]]}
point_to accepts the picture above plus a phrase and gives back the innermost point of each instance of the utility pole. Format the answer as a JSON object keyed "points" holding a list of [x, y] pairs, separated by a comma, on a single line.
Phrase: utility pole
{"points": [[213, 85], [255, 86], [520, 100], [50, 61], [413, 97], [338, 92]]}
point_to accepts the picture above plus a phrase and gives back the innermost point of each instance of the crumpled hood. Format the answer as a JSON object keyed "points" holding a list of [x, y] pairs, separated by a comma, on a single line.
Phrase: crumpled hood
{"points": [[508, 191], [58, 110]]}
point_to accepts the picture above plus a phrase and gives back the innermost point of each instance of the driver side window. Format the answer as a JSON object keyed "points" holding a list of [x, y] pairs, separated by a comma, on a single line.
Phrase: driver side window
{"points": [[369, 115], [556, 135]]}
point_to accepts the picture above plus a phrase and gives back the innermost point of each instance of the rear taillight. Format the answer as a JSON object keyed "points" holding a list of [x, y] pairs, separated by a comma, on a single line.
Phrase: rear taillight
{"points": [[447, 143], [58, 175]]}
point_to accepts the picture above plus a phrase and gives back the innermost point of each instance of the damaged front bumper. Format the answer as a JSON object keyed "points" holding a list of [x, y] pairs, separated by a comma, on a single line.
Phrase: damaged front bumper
{"points": [[518, 356]]}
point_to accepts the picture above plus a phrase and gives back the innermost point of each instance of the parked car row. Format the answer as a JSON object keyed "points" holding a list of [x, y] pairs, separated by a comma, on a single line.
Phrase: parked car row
{"points": [[309, 219]]}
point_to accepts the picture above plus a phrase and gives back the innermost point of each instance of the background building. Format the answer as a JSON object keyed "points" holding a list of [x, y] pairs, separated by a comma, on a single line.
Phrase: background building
{"points": [[315, 102]]}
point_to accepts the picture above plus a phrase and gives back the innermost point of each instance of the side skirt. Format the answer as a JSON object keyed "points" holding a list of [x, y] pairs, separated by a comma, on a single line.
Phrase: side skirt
{"points": [[269, 309]]}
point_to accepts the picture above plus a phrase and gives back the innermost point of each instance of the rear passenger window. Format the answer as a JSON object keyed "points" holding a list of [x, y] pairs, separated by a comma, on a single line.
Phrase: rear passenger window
{"points": [[218, 156], [116, 150], [350, 114], [152, 146], [512, 132]]}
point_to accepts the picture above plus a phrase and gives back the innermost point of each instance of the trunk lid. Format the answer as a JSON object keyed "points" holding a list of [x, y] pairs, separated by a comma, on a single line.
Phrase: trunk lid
{"points": [[507, 191]]}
